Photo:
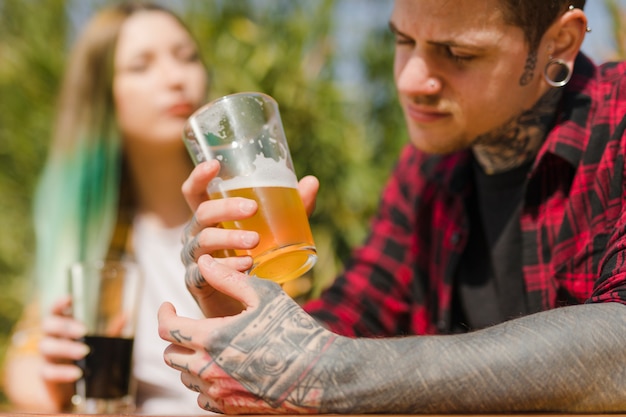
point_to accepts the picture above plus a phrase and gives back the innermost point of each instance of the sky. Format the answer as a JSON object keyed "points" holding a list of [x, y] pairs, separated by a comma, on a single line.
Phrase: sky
{"points": [[598, 44], [359, 16]]}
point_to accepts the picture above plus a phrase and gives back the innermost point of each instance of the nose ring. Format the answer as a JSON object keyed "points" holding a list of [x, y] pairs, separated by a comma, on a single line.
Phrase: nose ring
{"points": [[432, 84]]}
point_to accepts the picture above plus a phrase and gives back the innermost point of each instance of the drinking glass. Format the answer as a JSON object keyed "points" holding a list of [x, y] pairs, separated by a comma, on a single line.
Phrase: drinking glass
{"points": [[105, 297], [244, 133]]}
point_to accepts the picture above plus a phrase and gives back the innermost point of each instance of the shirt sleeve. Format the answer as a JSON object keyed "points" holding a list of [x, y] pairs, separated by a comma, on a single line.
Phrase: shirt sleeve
{"points": [[611, 283], [372, 296]]}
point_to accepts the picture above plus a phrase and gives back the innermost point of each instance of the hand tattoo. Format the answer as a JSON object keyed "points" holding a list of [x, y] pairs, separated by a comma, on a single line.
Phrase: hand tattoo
{"points": [[273, 354]]}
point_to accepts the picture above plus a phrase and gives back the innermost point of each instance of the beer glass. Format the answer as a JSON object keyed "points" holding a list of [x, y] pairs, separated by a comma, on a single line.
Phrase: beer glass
{"points": [[105, 297], [244, 133]]}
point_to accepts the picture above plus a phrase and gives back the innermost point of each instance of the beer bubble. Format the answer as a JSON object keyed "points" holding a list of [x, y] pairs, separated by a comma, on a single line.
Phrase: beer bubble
{"points": [[267, 173]]}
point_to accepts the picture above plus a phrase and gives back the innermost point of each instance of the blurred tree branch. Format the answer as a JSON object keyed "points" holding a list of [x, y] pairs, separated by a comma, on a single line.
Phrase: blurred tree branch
{"points": [[618, 27]]}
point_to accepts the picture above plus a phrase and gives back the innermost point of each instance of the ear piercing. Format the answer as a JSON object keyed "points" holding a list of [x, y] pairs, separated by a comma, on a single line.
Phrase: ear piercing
{"points": [[570, 8]]}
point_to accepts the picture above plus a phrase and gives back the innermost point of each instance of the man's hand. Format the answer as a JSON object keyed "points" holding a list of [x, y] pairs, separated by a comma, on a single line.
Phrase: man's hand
{"points": [[262, 360], [203, 235]]}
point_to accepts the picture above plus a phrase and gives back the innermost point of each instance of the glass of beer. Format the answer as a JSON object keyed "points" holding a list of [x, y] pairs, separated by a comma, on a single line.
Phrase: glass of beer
{"points": [[244, 133], [105, 297]]}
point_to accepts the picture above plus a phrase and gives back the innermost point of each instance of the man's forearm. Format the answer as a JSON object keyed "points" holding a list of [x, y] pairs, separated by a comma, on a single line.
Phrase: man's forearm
{"points": [[273, 357], [568, 359]]}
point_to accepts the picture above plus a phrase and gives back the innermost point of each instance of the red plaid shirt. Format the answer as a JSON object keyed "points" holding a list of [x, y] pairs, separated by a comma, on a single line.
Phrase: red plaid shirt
{"points": [[573, 223]]}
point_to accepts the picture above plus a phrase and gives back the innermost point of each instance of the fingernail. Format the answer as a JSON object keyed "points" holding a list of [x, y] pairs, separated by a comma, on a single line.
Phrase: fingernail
{"points": [[250, 239], [75, 372], [245, 263], [78, 329], [83, 350], [205, 260], [213, 163], [247, 206]]}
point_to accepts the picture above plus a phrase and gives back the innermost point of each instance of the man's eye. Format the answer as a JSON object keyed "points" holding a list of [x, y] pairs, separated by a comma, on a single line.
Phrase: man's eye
{"points": [[458, 57], [404, 41]]}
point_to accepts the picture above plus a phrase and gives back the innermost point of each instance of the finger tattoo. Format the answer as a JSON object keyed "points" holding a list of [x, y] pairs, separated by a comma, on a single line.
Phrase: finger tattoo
{"points": [[179, 337]]}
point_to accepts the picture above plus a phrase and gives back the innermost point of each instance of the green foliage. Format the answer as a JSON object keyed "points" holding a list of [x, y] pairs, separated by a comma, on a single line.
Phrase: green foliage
{"points": [[348, 137], [284, 48], [618, 27], [31, 56], [287, 49]]}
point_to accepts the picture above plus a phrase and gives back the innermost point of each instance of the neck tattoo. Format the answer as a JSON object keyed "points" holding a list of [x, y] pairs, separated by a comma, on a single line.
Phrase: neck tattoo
{"points": [[518, 140]]}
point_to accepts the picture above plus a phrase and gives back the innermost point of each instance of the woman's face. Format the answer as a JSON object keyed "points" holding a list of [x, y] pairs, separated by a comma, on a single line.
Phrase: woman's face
{"points": [[158, 79]]}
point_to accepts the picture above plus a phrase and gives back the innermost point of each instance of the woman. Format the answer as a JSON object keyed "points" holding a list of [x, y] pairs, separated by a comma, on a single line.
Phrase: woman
{"points": [[111, 189]]}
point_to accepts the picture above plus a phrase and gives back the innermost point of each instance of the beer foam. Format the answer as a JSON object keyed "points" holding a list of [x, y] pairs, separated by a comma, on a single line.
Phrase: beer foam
{"points": [[267, 173]]}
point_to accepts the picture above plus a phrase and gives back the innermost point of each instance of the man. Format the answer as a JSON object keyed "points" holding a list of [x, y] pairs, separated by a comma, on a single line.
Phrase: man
{"points": [[499, 244]]}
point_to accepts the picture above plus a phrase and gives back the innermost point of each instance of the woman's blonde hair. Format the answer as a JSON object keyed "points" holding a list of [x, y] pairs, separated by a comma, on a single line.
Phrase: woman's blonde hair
{"points": [[81, 199]]}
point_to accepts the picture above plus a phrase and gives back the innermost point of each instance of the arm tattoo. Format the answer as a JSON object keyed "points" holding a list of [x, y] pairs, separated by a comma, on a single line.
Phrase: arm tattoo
{"points": [[570, 359], [274, 355]]}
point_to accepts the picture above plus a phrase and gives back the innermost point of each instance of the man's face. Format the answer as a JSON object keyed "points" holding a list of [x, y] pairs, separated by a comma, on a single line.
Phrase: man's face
{"points": [[457, 70]]}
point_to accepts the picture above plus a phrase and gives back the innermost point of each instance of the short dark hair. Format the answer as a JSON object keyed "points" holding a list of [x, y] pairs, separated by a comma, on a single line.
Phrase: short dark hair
{"points": [[534, 17]]}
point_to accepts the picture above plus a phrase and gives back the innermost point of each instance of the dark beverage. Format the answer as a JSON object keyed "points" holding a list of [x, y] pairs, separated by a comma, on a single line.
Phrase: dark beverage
{"points": [[106, 369]]}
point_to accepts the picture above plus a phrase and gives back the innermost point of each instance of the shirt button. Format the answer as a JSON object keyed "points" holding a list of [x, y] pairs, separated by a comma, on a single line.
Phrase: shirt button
{"points": [[455, 238]]}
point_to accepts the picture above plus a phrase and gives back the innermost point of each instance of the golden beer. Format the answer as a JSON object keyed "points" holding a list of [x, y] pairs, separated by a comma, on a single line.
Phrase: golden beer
{"points": [[286, 249]]}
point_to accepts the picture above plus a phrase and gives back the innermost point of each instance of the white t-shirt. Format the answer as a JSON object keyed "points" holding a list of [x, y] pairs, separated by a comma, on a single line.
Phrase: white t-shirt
{"points": [[157, 250]]}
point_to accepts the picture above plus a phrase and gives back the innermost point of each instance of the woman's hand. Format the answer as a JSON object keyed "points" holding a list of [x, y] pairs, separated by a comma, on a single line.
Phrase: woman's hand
{"points": [[60, 347], [41, 371]]}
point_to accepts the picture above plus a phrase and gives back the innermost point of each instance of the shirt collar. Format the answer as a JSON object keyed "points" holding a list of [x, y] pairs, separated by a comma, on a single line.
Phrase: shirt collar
{"points": [[566, 140], [568, 137]]}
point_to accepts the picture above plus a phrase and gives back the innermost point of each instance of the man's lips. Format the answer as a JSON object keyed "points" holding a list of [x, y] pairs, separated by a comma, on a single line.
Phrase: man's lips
{"points": [[424, 114]]}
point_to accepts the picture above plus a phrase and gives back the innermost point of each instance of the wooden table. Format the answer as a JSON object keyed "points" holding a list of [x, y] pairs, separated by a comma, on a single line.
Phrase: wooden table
{"points": [[22, 414]]}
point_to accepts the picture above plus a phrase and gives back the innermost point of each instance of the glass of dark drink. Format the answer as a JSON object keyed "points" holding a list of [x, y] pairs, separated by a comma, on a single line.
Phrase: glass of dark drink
{"points": [[105, 297]]}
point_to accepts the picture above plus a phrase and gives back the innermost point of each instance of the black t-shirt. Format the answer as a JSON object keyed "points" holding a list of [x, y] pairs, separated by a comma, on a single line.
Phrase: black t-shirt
{"points": [[490, 282]]}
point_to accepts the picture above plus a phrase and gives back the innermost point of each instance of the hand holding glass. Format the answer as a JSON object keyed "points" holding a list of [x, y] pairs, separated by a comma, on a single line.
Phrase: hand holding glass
{"points": [[105, 298], [244, 133]]}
